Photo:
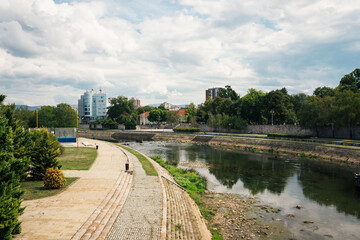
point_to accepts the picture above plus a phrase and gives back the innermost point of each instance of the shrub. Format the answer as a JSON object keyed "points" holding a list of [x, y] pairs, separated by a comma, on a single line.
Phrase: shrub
{"points": [[283, 135], [54, 178], [187, 130]]}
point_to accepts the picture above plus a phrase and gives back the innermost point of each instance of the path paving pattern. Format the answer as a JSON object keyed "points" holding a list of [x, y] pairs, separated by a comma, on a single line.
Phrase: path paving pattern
{"points": [[109, 203], [141, 215]]}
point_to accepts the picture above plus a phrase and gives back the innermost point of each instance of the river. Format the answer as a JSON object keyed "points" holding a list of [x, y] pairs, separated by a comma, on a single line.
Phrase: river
{"points": [[330, 203]]}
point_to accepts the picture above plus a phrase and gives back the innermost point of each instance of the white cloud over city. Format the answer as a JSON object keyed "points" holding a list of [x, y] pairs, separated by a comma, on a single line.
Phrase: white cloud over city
{"points": [[51, 52]]}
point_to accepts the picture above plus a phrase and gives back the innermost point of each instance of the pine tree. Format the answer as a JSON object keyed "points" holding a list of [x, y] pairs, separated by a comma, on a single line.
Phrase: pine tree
{"points": [[10, 193], [44, 153]]}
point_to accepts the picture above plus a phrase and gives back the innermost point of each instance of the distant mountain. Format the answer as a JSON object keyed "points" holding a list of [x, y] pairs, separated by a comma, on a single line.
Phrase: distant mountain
{"points": [[30, 108]]}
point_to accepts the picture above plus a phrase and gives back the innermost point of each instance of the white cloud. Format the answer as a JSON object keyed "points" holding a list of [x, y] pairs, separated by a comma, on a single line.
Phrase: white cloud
{"points": [[172, 51]]}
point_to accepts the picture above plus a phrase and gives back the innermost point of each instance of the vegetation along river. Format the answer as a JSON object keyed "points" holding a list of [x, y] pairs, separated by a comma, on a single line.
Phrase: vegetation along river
{"points": [[329, 200]]}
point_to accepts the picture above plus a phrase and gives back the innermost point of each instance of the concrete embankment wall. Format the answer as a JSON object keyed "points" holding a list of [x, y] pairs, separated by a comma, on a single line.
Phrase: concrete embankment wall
{"points": [[317, 151]]}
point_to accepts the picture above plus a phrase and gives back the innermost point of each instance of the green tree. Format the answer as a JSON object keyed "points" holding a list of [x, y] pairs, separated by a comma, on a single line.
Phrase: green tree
{"points": [[147, 108], [123, 111], [279, 102], [190, 112], [47, 117], [109, 123], [297, 100], [350, 81], [157, 115], [65, 116], [347, 109], [43, 156], [252, 107], [11, 171], [22, 142], [172, 117], [26, 118], [228, 92], [324, 92]]}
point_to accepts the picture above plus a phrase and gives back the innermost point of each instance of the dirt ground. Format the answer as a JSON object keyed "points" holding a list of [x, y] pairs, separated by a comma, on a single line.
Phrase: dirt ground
{"points": [[235, 217]]}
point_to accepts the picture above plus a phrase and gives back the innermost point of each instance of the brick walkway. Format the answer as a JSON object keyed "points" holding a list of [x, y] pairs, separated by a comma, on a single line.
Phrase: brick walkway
{"points": [[141, 215]]}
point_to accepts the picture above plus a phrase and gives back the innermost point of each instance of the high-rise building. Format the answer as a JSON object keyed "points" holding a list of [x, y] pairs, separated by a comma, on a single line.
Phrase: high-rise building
{"points": [[92, 105], [212, 93]]}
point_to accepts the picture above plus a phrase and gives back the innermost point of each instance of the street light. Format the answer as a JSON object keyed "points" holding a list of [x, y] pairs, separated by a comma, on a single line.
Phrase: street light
{"points": [[272, 116]]}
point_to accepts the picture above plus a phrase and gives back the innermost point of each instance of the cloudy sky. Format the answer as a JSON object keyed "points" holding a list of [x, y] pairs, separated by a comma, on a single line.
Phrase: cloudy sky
{"points": [[52, 51]]}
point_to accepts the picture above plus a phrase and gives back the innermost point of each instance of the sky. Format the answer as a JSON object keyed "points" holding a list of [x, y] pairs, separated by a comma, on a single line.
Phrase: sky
{"points": [[157, 51]]}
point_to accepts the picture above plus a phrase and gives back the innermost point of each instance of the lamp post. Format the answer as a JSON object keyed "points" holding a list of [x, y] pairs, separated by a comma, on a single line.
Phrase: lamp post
{"points": [[272, 116]]}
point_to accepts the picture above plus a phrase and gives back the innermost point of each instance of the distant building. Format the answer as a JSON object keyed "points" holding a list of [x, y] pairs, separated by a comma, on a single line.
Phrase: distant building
{"points": [[211, 93], [182, 114], [174, 108], [136, 102], [166, 105], [144, 120], [92, 106]]}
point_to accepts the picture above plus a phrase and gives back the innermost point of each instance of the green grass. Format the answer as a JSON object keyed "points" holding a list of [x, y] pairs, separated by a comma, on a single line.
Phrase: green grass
{"points": [[77, 158], [36, 189], [146, 164]]}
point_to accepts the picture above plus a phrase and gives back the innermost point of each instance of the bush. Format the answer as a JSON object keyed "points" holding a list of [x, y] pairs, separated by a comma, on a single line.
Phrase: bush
{"points": [[283, 135], [187, 130], [54, 178]]}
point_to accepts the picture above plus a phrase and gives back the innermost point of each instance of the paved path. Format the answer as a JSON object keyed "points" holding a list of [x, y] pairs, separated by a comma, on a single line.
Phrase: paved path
{"points": [[141, 216], [62, 215]]}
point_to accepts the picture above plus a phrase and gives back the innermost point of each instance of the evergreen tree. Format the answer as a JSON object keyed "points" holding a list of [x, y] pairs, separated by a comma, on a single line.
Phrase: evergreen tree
{"points": [[45, 151], [11, 170]]}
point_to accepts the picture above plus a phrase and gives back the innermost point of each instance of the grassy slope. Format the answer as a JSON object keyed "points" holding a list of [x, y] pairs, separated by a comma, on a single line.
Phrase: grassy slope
{"points": [[146, 164]]}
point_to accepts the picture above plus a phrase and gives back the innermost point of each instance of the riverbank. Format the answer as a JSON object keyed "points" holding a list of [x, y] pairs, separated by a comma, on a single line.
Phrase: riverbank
{"points": [[327, 150]]}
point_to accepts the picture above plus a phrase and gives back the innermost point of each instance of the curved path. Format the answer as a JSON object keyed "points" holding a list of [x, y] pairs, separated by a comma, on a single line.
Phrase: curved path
{"points": [[62, 215], [109, 203]]}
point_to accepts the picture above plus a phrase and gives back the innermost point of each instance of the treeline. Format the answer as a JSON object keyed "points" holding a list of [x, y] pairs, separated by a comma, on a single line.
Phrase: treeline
{"points": [[23, 155], [327, 106], [48, 116]]}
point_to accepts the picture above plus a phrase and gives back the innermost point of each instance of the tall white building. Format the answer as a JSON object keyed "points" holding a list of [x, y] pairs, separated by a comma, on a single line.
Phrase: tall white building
{"points": [[92, 105]]}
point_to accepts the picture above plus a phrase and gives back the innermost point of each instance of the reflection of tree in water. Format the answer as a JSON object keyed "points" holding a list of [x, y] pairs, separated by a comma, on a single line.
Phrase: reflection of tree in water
{"points": [[330, 185], [257, 172]]}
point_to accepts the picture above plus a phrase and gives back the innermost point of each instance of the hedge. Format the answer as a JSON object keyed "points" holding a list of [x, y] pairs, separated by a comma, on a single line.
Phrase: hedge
{"points": [[187, 130], [284, 135]]}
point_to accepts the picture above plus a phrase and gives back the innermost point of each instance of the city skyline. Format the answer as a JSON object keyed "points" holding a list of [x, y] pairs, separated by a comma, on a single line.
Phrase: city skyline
{"points": [[172, 51]]}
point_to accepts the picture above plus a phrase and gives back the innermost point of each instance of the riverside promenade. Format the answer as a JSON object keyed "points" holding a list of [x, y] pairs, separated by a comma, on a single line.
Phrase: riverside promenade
{"points": [[106, 202]]}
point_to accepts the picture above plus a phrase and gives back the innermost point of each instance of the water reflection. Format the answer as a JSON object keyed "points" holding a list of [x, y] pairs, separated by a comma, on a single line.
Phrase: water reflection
{"points": [[325, 184], [330, 186]]}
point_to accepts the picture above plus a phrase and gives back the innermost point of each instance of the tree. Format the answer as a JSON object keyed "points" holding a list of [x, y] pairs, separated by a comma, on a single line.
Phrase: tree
{"points": [[11, 170], [297, 100], [228, 92], [123, 111], [109, 123], [350, 81], [46, 116], [45, 151], [324, 92], [172, 117], [26, 118], [65, 116], [347, 109], [157, 115], [147, 108], [252, 107], [279, 102], [190, 112]]}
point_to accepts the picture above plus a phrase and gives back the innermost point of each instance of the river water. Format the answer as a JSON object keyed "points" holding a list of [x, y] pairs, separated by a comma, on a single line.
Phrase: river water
{"points": [[326, 192]]}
